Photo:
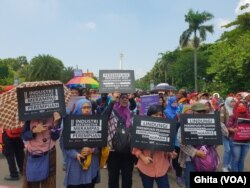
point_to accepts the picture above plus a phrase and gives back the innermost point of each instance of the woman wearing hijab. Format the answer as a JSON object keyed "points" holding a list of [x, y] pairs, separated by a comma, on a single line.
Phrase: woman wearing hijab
{"points": [[118, 162], [239, 148], [79, 174], [171, 113], [227, 156], [154, 166]]}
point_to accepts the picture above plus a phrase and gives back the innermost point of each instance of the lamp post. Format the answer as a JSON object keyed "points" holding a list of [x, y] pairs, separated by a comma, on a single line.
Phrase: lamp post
{"points": [[121, 61]]}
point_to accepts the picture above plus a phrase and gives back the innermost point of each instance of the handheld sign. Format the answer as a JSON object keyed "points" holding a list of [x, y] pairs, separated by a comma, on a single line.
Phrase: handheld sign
{"points": [[243, 130], [155, 134], [147, 101], [72, 102], [84, 131], [117, 80], [40, 102], [201, 129]]}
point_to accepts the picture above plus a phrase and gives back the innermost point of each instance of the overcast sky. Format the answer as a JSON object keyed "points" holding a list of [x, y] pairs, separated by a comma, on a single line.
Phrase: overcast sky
{"points": [[91, 34]]}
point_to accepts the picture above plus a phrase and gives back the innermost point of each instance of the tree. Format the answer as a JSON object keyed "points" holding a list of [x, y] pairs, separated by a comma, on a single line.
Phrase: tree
{"points": [[195, 21], [45, 67], [67, 74], [4, 71]]}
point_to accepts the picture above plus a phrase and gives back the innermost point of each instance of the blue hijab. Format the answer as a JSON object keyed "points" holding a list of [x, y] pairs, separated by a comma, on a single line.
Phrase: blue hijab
{"points": [[79, 104], [170, 111]]}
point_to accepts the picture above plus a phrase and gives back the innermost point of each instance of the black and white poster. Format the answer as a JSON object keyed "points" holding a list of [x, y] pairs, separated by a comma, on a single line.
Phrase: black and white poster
{"points": [[84, 131], [155, 134], [201, 129], [117, 80], [40, 102]]}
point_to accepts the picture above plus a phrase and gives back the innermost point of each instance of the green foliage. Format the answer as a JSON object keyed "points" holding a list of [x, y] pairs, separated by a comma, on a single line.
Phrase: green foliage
{"points": [[241, 24], [195, 21], [45, 67], [230, 63], [183, 69], [67, 74], [4, 71]]}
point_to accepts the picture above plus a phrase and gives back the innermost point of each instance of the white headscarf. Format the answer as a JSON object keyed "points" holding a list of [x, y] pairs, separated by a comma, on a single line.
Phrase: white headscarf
{"points": [[228, 105]]}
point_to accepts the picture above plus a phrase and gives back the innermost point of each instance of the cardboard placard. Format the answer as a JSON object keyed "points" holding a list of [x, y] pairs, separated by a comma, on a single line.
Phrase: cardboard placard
{"points": [[155, 134], [243, 130], [147, 101], [117, 80], [201, 129], [40, 102], [72, 102], [84, 131]]}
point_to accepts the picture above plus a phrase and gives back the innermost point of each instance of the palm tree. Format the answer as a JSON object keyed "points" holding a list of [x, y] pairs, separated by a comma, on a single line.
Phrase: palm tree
{"points": [[195, 21], [45, 67]]}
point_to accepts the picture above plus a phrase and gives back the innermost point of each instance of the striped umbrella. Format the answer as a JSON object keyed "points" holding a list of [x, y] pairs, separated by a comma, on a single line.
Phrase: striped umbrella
{"points": [[9, 107]]}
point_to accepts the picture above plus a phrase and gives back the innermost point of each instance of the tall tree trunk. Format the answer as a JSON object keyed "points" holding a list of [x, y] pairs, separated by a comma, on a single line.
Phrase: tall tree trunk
{"points": [[195, 70]]}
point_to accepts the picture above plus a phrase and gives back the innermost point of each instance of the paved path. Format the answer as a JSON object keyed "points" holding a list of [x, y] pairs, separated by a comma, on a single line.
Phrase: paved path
{"points": [[104, 178]]}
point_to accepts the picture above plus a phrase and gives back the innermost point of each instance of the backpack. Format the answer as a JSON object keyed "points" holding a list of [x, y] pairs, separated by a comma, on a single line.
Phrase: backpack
{"points": [[210, 162], [121, 141]]}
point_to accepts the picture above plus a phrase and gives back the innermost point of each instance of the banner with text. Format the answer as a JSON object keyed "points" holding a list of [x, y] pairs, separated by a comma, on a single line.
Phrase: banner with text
{"points": [[40, 102], [147, 101], [201, 129], [117, 80], [155, 134], [243, 130], [84, 131]]}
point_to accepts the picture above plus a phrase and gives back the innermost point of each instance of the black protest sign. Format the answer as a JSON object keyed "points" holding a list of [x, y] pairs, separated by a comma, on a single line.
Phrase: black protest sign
{"points": [[116, 80], [84, 131], [201, 129], [40, 102], [155, 134]]}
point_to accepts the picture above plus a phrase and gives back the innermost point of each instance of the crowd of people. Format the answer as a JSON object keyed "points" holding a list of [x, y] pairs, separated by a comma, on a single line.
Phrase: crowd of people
{"points": [[81, 166]]}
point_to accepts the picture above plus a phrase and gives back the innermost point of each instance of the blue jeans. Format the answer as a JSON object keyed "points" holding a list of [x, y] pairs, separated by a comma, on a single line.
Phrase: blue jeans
{"points": [[227, 156], [148, 182], [239, 155], [62, 149], [189, 168]]}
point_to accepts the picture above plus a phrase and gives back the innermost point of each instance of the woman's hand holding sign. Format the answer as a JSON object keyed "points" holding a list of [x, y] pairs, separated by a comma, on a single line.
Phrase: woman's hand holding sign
{"points": [[86, 151], [172, 155], [40, 127], [57, 117]]}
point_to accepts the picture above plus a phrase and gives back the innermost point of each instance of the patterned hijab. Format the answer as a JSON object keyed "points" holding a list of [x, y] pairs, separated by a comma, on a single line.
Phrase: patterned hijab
{"points": [[79, 104]]}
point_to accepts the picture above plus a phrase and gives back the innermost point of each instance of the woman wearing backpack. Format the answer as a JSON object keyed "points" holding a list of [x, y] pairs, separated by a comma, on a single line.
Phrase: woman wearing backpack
{"points": [[82, 165], [154, 166], [119, 162], [189, 152]]}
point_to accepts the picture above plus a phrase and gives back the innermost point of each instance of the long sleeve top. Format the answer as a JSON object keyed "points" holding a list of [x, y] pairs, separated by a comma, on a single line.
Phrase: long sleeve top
{"points": [[75, 175], [39, 141], [158, 167]]}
